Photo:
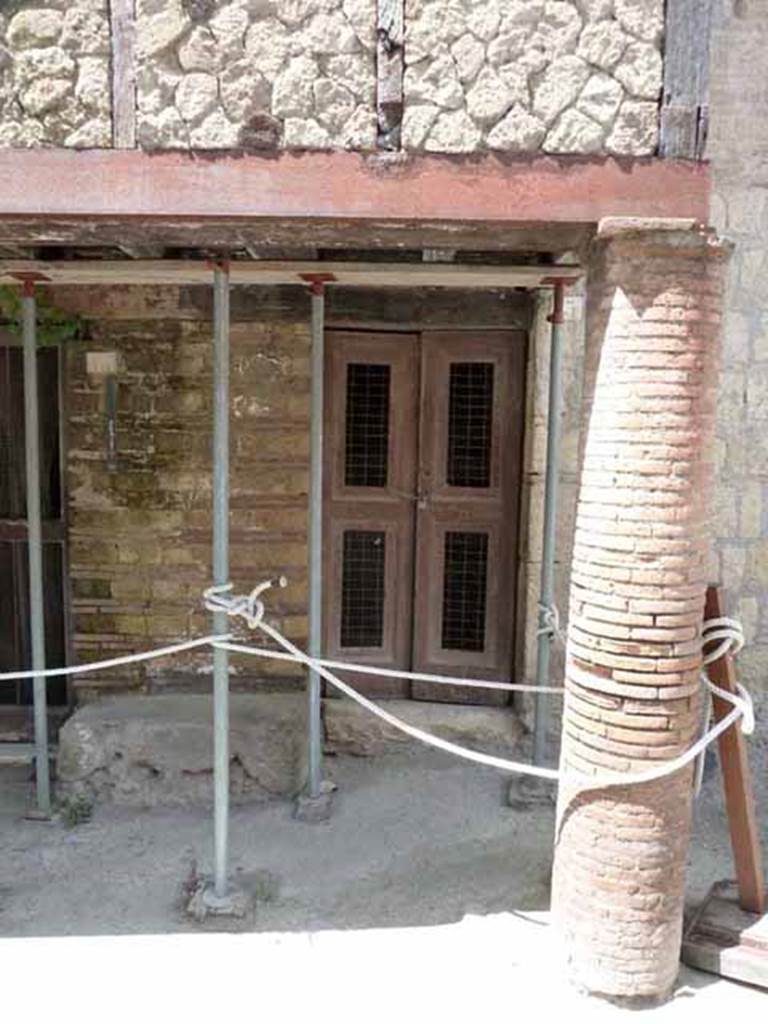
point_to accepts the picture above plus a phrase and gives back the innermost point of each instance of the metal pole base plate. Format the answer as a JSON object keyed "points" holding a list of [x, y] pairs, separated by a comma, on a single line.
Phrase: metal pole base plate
{"points": [[314, 809], [204, 903], [34, 814]]}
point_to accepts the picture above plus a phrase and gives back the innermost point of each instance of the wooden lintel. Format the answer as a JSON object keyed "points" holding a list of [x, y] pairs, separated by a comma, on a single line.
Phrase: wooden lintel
{"points": [[390, 60], [123, 28], [276, 237]]}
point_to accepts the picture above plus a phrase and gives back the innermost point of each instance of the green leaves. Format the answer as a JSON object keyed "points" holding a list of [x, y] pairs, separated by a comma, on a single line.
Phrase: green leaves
{"points": [[54, 325]]}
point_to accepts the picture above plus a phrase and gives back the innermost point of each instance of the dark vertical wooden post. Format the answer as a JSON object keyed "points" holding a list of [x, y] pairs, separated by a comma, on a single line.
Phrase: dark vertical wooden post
{"points": [[123, 74], [390, 31], [684, 109], [737, 781]]}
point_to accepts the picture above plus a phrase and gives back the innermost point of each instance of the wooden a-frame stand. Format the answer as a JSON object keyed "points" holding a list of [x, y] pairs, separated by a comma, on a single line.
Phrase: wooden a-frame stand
{"points": [[728, 935]]}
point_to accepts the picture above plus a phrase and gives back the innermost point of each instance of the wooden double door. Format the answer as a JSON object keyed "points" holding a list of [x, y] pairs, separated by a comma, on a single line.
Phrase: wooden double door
{"points": [[423, 440]]}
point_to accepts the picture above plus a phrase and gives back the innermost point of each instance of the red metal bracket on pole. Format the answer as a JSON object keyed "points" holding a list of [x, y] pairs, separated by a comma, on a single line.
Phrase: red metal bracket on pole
{"points": [[557, 316], [28, 279], [220, 264], [317, 282]]}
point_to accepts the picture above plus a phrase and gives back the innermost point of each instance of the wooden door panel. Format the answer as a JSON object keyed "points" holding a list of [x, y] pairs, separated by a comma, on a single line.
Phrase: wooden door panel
{"points": [[369, 484], [357, 452], [370, 621], [469, 473]]}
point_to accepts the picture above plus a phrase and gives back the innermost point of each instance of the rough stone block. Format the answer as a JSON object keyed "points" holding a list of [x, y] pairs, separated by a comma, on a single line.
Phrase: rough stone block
{"points": [[157, 750], [351, 729]]}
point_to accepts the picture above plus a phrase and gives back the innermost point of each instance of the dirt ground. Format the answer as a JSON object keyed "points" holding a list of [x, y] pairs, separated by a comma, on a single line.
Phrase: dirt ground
{"points": [[421, 849]]}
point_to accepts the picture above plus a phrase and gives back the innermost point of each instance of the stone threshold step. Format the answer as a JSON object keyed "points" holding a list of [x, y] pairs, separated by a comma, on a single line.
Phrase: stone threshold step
{"points": [[350, 729]]}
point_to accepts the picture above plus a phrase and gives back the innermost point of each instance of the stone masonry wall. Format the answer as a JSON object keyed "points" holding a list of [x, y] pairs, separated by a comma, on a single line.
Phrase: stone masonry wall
{"points": [[55, 73], [256, 74], [519, 76], [562, 76], [738, 151], [139, 537]]}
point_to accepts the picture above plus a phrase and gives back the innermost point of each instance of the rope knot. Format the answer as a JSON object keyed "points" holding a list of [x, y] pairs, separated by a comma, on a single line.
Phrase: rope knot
{"points": [[549, 619], [244, 606]]}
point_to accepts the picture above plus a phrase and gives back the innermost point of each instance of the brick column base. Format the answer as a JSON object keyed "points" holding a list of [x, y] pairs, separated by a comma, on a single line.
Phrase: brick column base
{"points": [[637, 596]]}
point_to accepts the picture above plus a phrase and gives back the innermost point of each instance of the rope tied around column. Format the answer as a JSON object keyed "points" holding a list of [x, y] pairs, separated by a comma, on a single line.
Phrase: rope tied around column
{"points": [[727, 632]]}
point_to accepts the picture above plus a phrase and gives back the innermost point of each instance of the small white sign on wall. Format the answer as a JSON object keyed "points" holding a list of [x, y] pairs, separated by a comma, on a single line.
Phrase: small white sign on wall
{"points": [[101, 364]]}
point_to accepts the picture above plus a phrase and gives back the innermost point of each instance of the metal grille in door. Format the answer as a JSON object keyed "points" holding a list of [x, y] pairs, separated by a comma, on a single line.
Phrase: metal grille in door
{"points": [[470, 421], [367, 425], [465, 575], [362, 588]]}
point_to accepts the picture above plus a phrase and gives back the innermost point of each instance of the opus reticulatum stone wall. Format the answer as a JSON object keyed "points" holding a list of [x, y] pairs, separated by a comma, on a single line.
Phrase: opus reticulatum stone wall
{"points": [[55, 73], [256, 74], [520, 76], [562, 76]]}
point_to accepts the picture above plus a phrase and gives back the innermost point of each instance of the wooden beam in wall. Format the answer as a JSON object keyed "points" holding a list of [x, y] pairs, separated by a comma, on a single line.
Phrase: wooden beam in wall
{"points": [[390, 39], [685, 102], [123, 73]]}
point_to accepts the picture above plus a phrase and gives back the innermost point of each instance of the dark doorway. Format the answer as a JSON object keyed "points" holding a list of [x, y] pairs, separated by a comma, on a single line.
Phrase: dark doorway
{"points": [[14, 580]]}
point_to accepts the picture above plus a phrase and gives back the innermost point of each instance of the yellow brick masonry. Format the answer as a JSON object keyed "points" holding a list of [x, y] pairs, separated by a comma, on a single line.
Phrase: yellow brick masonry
{"points": [[637, 594], [140, 547]]}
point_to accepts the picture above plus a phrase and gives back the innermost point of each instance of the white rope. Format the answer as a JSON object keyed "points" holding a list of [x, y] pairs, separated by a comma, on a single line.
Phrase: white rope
{"points": [[742, 708], [251, 608], [706, 721], [125, 659], [386, 716], [728, 631], [245, 606], [393, 673], [549, 617]]}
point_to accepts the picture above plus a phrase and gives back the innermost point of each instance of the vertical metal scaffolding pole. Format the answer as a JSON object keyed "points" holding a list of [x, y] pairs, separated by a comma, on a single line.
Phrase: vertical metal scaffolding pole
{"points": [[315, 748], [220, 572], [547, 584], [35, 546]]}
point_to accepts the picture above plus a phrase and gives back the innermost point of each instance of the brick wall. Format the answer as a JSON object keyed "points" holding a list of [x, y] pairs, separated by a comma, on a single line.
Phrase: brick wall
{"points": [[140, 536]]}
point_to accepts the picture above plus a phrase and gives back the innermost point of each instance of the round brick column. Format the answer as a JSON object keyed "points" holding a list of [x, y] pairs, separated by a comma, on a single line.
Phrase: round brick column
{"points": [[637, 596]]}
